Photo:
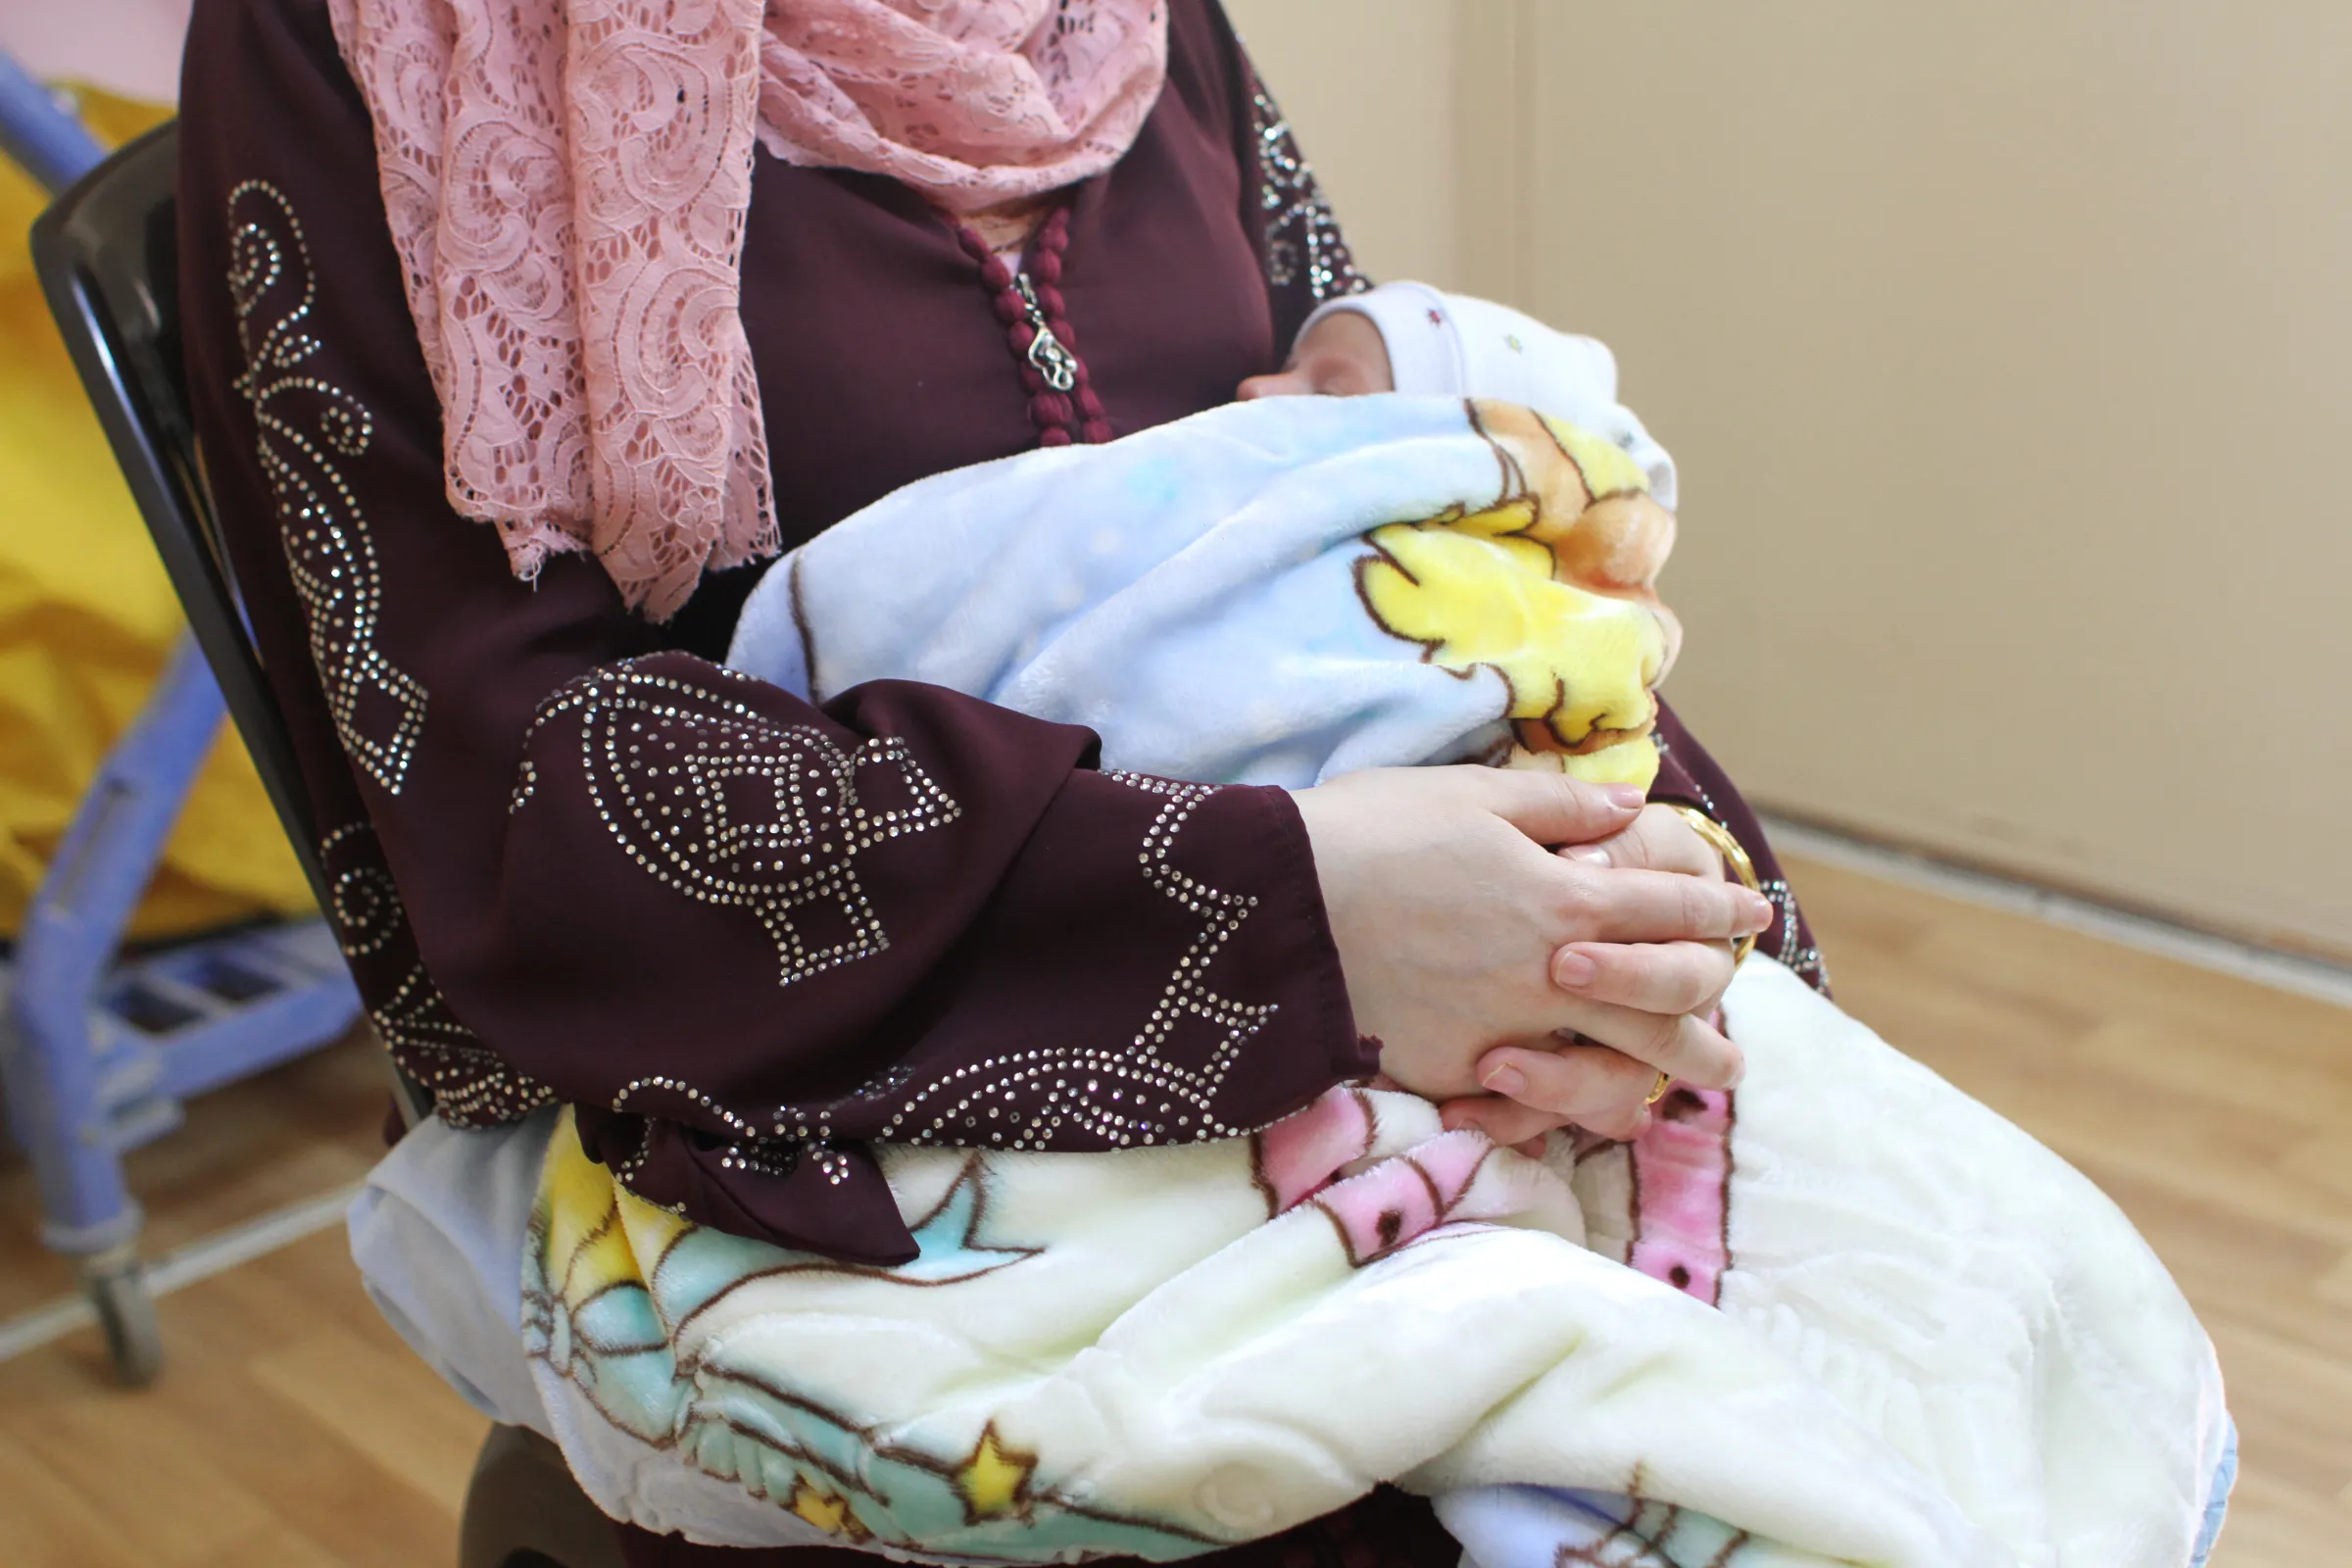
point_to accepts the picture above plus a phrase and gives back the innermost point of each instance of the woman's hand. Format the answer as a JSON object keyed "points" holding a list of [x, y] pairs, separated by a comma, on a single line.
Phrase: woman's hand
{"points": [[1457, 928], [1656, 1002]]}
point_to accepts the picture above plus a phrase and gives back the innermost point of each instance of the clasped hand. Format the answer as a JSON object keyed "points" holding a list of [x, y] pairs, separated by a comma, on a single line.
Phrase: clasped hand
{"points": [[1529, 951]]}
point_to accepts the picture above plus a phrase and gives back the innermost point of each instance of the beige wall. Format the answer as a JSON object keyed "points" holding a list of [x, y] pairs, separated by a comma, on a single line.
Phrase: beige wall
{"points": [[2006, 350], [127, 46], [1368, 86]]}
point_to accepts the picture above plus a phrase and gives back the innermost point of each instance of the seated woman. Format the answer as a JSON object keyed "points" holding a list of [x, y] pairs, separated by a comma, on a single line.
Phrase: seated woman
{"points": [[658, 299]]}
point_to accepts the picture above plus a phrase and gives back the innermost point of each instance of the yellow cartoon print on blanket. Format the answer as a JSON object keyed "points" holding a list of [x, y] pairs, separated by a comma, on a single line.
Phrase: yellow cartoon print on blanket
{"points": [[1552, 587], [613, 1288]]}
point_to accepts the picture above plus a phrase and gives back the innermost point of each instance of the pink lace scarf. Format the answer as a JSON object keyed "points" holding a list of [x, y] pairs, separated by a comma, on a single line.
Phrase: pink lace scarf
{"points": [[567, 181]]}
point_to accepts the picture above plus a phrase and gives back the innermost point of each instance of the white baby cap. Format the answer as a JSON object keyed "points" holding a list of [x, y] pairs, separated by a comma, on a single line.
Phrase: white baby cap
{"points": [[1457, 346]]}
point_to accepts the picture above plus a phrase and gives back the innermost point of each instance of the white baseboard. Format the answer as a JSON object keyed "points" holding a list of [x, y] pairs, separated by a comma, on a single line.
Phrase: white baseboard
{"points": [[2283, 971], [183, 1266]]}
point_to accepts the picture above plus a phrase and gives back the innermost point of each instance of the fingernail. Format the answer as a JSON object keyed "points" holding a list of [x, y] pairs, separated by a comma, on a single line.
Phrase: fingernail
{"points": [[1587, 853], [1572, 970], [1627, 796], [1505, 1081], [1759, 911]]}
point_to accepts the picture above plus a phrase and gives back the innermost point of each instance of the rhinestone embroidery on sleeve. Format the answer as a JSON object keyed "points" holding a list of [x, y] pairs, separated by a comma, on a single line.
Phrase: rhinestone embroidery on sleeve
{"points": [[659, 756], [749, 1150], [1301, 232], [1796, 952], [472, 1084], [706, 1104], [302, 426], [1119, 1096]]}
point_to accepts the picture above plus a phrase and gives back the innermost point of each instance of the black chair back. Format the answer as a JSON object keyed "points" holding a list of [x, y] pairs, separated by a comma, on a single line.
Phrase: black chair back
{"points": [[108, 254]]}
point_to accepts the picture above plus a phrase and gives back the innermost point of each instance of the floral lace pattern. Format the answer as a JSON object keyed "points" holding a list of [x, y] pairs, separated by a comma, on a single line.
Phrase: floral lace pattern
{"points": [[971, 102], [566, 180]]}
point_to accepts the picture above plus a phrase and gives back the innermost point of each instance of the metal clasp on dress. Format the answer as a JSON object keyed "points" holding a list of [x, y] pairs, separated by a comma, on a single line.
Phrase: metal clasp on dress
{"points": [[1057, 365]]}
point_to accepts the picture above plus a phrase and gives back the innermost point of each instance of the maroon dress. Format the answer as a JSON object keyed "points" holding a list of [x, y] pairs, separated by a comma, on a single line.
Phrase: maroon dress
{"points": [[575, 859]]}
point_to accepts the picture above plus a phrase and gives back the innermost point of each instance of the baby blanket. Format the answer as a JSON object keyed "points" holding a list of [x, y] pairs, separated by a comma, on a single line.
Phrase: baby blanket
{"points": [[1845, 1315], [1270, 593]]}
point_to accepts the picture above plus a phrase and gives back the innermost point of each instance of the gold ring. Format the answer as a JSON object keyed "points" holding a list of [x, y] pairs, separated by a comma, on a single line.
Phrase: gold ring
{"points": [[1719, 839], [1659, 1093]]}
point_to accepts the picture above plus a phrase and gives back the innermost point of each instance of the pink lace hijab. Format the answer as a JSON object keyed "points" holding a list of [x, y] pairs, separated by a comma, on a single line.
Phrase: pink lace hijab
{"points": [[566, 182]]}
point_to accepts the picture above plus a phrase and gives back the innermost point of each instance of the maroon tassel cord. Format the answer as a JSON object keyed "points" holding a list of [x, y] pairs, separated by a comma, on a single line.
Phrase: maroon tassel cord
{"points": [[1061, 403]]}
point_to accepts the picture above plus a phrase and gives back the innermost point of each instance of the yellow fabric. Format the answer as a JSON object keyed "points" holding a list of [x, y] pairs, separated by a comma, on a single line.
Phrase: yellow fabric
{"points": [[1552, 590], [1475, 599], [87, 616]]}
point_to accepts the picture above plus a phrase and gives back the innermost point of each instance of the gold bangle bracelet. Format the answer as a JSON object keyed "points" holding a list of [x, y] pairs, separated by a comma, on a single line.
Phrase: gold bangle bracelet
{"points": [[1719, 839]]}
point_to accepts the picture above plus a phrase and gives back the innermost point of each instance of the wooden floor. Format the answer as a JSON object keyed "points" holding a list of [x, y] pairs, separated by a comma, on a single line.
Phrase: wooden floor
{"points": [[291, 1428], [311, 1127]]}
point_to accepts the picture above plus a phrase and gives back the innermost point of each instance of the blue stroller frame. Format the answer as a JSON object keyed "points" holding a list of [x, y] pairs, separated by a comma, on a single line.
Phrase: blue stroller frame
{"points": [[97, 1050]]}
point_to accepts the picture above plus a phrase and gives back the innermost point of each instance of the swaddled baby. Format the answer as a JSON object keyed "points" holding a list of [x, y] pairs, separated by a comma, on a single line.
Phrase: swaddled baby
{"points": [[1203, 594]]}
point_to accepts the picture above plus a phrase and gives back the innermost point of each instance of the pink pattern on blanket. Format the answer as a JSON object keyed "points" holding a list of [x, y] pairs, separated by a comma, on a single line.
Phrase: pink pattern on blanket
{"points": [[1399, 1199], [1681, 1192], [1299, 1155], [1682, 1182]]}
